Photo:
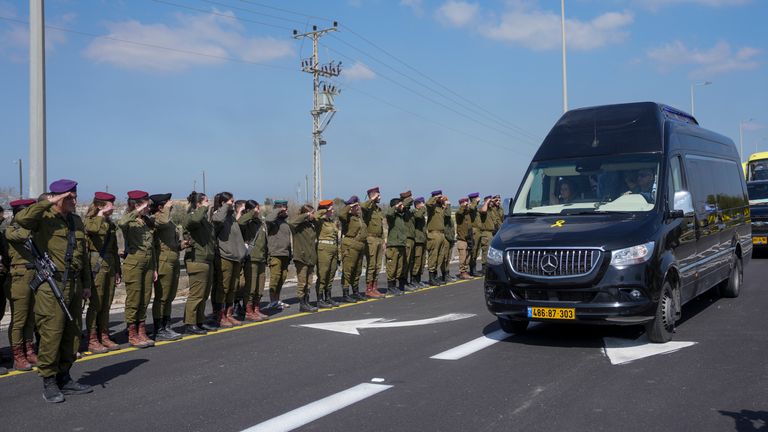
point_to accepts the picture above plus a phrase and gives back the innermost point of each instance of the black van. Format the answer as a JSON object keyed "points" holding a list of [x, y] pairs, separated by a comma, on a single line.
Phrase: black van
{"points": [[626, 213]]}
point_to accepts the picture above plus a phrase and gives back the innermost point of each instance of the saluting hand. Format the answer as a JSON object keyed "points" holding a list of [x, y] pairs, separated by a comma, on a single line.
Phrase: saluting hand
{"points": [[58, 198]]}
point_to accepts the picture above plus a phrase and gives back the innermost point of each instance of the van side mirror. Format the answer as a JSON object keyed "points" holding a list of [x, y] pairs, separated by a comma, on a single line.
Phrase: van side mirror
{"points": [[510, 206], [683, 205]]}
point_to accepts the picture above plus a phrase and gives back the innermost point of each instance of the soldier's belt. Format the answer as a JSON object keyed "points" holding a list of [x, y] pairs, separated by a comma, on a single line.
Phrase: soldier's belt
{"points": [[328, 242]]}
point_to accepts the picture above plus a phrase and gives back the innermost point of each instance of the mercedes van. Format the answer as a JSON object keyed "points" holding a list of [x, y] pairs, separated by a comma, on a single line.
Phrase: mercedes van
{"points": [[626, 213]]}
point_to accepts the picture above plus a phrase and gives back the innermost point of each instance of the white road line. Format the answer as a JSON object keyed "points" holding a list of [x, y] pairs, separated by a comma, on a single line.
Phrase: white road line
{"points": [[318, 409], [472, 346]]}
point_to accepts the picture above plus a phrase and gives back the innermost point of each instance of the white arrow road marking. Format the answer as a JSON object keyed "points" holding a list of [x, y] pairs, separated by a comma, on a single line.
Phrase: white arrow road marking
{"points": [[621, 351], [472, 346], [351, 327], [318, 409]]}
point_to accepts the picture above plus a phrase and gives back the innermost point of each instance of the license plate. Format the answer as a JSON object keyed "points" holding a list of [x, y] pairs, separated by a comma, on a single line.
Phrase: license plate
{"points": [[552, 313], [760, 240]]}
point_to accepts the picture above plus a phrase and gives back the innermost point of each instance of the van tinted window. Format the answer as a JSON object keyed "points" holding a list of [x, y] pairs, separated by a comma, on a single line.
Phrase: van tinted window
{"points": [[715, 183]]}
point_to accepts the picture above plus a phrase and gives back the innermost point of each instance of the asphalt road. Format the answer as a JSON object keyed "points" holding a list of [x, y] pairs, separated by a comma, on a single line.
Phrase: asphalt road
{"points": [[554, 378]]}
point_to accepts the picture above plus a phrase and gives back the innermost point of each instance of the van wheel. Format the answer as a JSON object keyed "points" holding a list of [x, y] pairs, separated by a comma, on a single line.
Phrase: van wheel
{"points": [[731, 288], [663, 325], [513, 326]]}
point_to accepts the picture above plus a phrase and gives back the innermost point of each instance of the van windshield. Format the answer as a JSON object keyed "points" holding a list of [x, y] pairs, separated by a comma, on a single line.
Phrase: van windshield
{"points": [[616, 183]]}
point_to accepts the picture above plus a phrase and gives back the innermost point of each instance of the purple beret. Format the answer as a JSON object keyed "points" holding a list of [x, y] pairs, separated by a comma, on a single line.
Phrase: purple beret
{"points": [[352, 200], [474, 195], [63, 185], [487, 197], [419, 200], [437, 192]]}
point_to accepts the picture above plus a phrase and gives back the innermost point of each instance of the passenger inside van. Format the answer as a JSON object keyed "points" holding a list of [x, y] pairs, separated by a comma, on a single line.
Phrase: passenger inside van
{"points": [[566, 192]]}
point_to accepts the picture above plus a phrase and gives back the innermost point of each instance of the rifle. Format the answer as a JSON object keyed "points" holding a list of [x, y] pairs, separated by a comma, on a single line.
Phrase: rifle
{"points": [[44, 271]]}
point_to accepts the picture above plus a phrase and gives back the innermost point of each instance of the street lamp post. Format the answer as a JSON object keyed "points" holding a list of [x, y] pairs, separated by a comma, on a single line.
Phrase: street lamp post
{"points": [[693, 107], [565, 72], [741, 136], [21, 184]]}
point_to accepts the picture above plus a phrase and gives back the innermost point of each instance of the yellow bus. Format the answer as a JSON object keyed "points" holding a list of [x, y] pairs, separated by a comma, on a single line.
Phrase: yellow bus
{"points": [[756, 168]]}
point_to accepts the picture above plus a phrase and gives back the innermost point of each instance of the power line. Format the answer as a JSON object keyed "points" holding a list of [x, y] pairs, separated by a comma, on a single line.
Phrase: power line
{"points": [[266, 6], [220, 14]]}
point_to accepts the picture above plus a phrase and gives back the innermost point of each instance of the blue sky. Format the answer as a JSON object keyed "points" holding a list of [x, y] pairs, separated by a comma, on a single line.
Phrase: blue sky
{"points": [[435, 94]]}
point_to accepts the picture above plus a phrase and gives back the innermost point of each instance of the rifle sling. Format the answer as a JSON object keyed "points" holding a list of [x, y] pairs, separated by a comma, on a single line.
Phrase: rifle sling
{"points": [[70, 250]]}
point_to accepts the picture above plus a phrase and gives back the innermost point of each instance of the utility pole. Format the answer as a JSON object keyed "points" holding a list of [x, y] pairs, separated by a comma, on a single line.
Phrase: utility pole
{"points": [[306, 186], [204, 193], [322, 100], [37, 150], [21, 185], [565, 72]]}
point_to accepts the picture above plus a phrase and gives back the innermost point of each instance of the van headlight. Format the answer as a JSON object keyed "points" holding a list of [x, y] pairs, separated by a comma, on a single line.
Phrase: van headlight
{"points": [[495, 256], [632, 255]]}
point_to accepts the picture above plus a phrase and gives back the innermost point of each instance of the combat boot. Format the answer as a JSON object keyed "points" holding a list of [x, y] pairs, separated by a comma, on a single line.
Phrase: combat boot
{"points": [[304, 305], [190, 329], [372, 292], [94, 346], [20, 362], [472, 270], [433, 279], [249, 316], [231, 316], [51, 391], [3, 370], [221, 316], [356, 294], [68, 386], [392, 288], [107, 343], [133, 337], [330, 300], [164, 332], [406, 287], [167, 326], [30, 353], [142, 334], [257, 311], [321, 302], [239, 312], [346, 297]]}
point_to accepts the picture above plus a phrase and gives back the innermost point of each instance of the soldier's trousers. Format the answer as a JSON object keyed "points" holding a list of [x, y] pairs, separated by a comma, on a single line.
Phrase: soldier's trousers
{"points": [[409, 254], [327, 263], [200, 281], [352, 262], [255, 275], [396, 264], [304, 273], [138, 274], [373, 259], [464, 254], [22, 302], [435, 242], [278, 272], [5, 286], [485, 241], [227, 278], [102, 294], [447, 250], [475, 247], [417, 261], [166, 286], [59, 338]]}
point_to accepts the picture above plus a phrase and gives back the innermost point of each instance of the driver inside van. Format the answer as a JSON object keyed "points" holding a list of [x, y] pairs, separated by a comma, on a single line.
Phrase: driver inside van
{"points": [[566, 192]]}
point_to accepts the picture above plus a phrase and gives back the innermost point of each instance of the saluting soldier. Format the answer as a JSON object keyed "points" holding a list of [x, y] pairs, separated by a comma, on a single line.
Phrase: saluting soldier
{"points": [[198, 260], [410, 231], [327, 254], [22, 300], [487, 225], [231, 252], [397, 232], [279, 244], [435, 234], [354, 234], [420, 242], [167, 249], [5, 263], [373, 218], [254, 268], [474, 247], [450, 240], [105, 267], [498, 213], [463, 233], [304, 253], [60, 232]]}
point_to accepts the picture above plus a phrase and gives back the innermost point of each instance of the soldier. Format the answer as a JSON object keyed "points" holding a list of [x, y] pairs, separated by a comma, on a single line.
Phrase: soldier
{"points": [[354, 234], [279, 244], [254, 268], [22, 300], [420, 242], [373, 218], [167, 249], [139, 270], [105, 267], [198, 260], [410, 231], [498, 213], [435, 234], [58, 231], [474, 244], [231, 252], [304, 233], [397, 232], [450, 240], [5, 263], [487, 225], [463, 236], [327, 254]]}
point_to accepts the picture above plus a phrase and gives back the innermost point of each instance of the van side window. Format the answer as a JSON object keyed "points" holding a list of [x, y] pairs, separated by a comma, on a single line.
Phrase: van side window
{"points": [[675, 181]]}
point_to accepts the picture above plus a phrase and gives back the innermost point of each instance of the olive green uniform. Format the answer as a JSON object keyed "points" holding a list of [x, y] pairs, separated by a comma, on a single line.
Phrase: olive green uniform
{"points": [[474, 216], [59, 339], [397, 234], [354, 234], [254, 268], [373, 218], [139, 265], [420, 242], [304, 251], [498, 217], [463, 233], [198, 259], [410, 233], [230, 254], [327, 252], [167, 248], [435, 234], [487, 225], [450, 240], [22, 300], [279, 243], [5, 264], [105, 264]]}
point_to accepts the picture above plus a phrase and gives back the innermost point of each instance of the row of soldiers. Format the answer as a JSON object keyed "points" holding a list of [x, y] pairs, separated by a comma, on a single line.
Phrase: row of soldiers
{"points": [[222, 244]]}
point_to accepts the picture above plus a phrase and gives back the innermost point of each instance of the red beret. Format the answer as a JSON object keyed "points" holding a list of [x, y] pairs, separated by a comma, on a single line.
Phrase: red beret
{"points": [[22, 203], [104, 196], [463, 200], [325, 204], [137, 194], [373, 190]]}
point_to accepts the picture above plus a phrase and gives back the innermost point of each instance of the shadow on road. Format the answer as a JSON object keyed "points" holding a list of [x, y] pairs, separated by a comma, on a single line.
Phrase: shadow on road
{"points": [[104, 375], [747, 420]]}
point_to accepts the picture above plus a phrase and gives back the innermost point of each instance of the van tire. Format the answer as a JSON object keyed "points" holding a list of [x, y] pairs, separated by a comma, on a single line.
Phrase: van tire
{"points": [[731, 288], [514, 327], [663, 325]]}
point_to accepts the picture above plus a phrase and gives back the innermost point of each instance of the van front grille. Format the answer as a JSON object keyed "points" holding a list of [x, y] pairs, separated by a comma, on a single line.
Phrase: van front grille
{"points": [[553, 263]]}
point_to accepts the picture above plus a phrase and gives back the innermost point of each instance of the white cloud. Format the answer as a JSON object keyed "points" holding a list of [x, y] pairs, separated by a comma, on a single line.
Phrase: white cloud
{"points": [[526, 25], [416, 6], [719, 59], [359, 71], [457, 13], [215, 36], [14, 38], [657, 4]]}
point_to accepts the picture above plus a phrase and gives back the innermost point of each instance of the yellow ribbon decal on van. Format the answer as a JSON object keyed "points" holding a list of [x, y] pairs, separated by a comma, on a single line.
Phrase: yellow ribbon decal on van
{"points": [[558, 224]]}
